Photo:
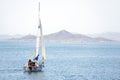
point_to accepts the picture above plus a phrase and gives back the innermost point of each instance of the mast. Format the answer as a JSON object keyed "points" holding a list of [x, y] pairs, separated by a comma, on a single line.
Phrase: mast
{"points": [[38, 39]]}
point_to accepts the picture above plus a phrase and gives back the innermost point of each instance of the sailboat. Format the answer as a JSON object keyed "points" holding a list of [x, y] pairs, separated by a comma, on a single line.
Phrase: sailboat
{"points": [[38, 64]]}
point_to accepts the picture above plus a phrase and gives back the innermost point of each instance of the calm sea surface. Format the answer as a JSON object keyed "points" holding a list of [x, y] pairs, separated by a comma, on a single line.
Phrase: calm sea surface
{"points": [[65, 61]]}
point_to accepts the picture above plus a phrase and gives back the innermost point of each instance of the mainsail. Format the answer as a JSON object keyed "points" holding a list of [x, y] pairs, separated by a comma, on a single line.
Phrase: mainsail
{"points": [[38, 39]]}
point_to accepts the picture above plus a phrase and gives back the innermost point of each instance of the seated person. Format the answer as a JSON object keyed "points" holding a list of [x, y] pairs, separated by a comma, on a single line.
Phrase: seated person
{"points": [[33, 63], [30, 64]]}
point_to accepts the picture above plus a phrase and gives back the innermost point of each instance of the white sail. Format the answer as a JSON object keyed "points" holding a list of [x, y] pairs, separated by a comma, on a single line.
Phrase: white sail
{"points": [[37, 45], [40, 38], [43, 46]]}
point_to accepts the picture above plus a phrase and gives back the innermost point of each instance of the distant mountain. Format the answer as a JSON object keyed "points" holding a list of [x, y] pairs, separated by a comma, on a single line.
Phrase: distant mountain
{"points": [[6, 37], [109, 35], [28, 37], [101, 39], [65, 36]]}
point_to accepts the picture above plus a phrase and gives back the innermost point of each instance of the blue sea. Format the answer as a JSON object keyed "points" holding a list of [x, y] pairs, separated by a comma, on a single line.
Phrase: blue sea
{"points": [[65, 61]]}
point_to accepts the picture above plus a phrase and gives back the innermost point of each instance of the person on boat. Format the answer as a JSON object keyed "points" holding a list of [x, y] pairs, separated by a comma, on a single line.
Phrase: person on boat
{"points": [[30, 63], [33, 63]]}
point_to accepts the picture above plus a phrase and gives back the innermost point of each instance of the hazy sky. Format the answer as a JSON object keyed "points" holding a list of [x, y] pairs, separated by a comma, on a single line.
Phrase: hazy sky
{"points": [[78, 16]]}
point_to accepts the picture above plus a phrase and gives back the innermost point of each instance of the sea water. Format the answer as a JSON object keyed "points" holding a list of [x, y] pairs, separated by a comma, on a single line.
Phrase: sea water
{"points": [[65, 61]]}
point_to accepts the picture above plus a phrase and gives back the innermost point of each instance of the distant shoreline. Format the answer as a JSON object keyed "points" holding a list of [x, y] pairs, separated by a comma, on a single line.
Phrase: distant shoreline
{"points": [[61, 36]]}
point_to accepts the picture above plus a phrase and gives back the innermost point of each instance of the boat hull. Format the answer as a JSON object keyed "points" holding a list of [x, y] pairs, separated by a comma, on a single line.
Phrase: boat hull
{"points": [[33, 68]]}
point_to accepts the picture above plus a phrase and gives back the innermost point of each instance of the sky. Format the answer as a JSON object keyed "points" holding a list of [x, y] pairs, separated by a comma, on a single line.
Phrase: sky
{"points": [[78, 16]]}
